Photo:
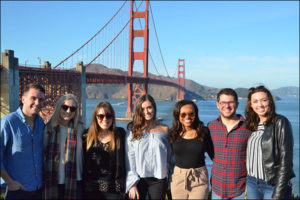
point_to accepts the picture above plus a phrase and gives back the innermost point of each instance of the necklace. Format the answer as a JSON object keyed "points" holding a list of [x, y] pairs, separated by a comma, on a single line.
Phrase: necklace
{"points": [[105, 146], [104, 138]]}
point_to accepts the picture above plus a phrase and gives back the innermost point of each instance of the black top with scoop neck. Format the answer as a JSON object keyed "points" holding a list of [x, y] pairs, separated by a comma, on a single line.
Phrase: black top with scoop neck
{"points": [[189, 153]]}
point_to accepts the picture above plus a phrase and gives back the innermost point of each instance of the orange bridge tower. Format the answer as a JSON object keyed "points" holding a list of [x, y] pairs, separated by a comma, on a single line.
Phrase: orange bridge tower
{"points": [[140, 89]]}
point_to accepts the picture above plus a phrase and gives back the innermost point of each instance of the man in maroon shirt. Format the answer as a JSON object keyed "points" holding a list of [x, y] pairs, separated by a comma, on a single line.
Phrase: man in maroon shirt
{"points": [[229, 136]]}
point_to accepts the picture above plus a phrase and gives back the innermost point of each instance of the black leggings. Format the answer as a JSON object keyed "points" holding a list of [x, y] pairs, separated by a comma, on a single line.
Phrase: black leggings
{"points": [[153, 187]]}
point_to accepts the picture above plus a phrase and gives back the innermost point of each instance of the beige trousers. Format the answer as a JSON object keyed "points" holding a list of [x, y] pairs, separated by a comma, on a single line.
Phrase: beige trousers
{"points": [[189, 183]]}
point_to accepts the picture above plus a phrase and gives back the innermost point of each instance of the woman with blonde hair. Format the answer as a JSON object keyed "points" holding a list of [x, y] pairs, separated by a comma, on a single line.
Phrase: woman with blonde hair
{"points": [[63, 150], [104, 165], [148, 153]]}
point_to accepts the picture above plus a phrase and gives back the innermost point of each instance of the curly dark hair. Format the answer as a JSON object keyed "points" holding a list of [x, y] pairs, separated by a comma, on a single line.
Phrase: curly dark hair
{"points": [[177, 128], [252, 119]]}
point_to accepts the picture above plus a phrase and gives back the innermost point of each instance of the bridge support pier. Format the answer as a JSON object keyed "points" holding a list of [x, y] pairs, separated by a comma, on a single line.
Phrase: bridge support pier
{"points": [[81, 68], [9, 83], [181, 78], [133, 95]]}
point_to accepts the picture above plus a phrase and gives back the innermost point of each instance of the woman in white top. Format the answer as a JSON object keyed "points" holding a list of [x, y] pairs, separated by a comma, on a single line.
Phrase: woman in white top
{"points": [[148, 153], [63, 150]]}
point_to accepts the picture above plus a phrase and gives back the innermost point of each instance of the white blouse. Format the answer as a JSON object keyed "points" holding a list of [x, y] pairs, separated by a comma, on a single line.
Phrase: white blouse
{"points": [[148, 157]]}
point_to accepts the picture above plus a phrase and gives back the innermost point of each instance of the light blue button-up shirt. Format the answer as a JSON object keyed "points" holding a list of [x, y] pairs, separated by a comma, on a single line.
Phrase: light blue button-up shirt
{"points": [[22, 149], [148, 157]]}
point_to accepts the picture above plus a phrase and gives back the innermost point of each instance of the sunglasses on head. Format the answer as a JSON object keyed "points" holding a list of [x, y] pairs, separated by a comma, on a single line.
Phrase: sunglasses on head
{"points": [[65, 108], [183, 115], [107, 116], [253, 89]]}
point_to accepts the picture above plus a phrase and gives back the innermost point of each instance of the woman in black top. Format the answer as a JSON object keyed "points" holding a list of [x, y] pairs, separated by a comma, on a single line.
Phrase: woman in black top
{"points": [[190, 140], [104, 165]]}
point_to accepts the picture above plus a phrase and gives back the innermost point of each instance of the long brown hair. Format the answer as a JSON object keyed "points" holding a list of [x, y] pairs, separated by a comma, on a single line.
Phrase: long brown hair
{"points": [[252, 119], [177, 128], [95, 129], [139, 121]]}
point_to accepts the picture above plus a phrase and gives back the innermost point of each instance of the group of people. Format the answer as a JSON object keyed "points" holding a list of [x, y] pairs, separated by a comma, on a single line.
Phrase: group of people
{"points": [[63, 160]]}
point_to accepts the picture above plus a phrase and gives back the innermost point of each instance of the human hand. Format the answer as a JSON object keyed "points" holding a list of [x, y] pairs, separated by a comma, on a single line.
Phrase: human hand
{"points": [[14, 186], [133, 193]]}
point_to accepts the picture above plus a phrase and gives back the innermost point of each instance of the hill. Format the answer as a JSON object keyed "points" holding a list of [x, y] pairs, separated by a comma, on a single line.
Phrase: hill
{"points": [[101, 91], [291, 91], [193, 89]]}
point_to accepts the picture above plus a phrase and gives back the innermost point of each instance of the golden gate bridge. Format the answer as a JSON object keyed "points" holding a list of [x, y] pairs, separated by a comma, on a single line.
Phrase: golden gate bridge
{"points": [[122, 44]]}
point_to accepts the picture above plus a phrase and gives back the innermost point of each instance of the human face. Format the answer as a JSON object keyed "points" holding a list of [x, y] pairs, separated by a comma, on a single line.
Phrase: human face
{"points": [[227, 106], [187, 116], [260, 104], [33, 101], [148, 110], [104, 119], [67, 111]]}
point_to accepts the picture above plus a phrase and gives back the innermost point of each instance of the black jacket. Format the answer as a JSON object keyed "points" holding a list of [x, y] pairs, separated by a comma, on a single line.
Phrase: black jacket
{"points": [[277, 152]]}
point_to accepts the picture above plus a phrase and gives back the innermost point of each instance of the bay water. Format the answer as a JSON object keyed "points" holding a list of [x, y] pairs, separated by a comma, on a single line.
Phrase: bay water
{"points": [[208, 111]]}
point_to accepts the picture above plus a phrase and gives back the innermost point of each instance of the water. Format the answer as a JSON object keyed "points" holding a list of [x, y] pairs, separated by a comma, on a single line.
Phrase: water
{"points": [[207, 112]]}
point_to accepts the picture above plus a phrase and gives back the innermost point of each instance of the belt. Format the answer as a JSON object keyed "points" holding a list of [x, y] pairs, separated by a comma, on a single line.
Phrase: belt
{"points": [[190, 177]]}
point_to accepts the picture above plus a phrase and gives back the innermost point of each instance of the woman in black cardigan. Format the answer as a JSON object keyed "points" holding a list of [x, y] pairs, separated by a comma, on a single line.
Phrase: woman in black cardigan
{"points": [[103, 146]]}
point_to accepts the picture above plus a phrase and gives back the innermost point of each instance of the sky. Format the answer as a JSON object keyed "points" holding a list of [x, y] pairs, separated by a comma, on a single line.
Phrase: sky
{"points": [[224, 43]]}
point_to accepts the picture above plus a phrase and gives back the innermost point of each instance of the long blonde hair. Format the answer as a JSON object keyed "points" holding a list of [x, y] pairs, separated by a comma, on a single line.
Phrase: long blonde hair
{"points": [[56, 119], [95, 129]]}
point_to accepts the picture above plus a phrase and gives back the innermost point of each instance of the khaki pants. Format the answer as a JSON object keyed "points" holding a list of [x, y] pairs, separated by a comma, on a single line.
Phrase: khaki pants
{"points": [[189, 183]]}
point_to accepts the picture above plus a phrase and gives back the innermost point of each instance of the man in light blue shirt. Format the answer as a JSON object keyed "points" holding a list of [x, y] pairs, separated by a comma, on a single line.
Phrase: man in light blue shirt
{"points": [[22, 147]]}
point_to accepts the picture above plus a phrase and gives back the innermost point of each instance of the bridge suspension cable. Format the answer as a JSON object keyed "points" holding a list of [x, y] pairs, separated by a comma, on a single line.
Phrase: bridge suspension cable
{"points": [[109, 43], [93, 36], [148, 49], [157, 39]]}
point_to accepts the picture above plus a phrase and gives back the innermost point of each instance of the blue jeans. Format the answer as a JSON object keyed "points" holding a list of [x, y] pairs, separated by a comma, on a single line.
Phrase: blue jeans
{"points": [[259, 189], [215, 196]]}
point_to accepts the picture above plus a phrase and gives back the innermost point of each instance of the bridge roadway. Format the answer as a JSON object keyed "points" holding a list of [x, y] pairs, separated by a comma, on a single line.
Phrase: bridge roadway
{"points": [[96, 77]]}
